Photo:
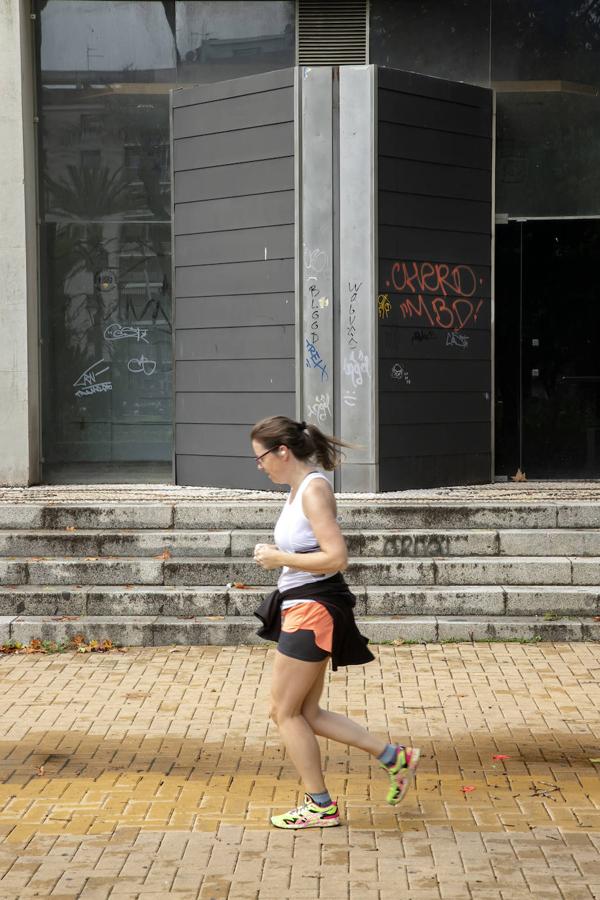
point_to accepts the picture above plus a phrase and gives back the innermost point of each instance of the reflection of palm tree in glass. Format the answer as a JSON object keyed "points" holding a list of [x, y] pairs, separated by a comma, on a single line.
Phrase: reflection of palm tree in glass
{"points": [[87, 194], [90, 192]]}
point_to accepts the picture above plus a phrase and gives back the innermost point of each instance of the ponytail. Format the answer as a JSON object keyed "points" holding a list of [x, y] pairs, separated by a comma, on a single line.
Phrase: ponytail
{"points": [[306, 442]]}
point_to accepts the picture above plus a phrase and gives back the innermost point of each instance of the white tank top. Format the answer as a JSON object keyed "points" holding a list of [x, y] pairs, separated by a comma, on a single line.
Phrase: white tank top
{"points": [[293, 534]]}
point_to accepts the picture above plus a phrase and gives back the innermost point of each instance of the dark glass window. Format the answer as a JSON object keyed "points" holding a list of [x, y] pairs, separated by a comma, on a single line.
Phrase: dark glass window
{"points": [[546, 72], [542, 40], [446, 38], [105, 69]]}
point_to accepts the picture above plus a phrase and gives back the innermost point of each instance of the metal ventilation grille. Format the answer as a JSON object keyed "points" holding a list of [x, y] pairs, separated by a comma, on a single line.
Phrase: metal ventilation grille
{"points": [[333, 33]]}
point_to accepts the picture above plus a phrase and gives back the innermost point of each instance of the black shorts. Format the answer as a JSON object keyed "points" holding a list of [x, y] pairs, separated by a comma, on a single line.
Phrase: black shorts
{"points": [[306, 632]]}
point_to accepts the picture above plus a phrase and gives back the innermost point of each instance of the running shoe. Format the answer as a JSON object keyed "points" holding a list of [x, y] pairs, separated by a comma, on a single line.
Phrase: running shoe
{"points": [[309, 815], [401, 772]]}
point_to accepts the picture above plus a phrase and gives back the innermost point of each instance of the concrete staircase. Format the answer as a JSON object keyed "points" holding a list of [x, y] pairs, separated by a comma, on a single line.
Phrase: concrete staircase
{"points": [[154, 568]]}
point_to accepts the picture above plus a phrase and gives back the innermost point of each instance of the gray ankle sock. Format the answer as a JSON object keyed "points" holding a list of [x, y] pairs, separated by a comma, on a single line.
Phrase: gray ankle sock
{"points": [[388, 757], [322, 799]]}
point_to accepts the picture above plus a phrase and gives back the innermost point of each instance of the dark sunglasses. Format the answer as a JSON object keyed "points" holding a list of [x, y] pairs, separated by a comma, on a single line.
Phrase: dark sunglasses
{"points": [[262, 455]]}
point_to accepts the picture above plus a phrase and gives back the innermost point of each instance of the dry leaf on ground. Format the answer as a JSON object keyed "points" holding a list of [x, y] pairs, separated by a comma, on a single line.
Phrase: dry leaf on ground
{"points": [[518, 476]]}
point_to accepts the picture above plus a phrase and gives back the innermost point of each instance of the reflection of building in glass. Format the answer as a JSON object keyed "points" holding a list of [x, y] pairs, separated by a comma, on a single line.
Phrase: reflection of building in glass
{"points": [[264, 45]]}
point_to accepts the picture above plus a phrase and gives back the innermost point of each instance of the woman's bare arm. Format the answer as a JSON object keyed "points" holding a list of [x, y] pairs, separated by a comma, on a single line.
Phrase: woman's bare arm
{"points": [[318, 504]]}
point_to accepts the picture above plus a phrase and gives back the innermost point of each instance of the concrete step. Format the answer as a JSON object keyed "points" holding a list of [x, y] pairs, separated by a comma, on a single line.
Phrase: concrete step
{"points": [[374, 513], [128, 543], [234, 630], [515, 570], [188, 543], [549, 542], [370, 543], [386, 571], [161, 600]]}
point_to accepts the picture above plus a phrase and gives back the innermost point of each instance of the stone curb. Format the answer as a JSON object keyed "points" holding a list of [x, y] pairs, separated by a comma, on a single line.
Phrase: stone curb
{"points": [[372, 512], [149, 631], [219, 571]]}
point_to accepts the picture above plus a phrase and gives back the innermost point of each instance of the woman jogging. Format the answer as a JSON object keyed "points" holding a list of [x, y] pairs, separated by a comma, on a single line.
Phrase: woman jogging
{"points": [[310, 616]]}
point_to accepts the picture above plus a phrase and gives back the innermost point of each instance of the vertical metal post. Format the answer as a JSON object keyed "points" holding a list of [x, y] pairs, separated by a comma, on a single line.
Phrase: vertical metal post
{"points": [[357, 331], [316, 287], [493, 298], [521, 247]]}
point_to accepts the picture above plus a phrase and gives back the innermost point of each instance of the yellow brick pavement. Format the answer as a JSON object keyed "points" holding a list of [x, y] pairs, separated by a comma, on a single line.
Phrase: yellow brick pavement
{"points": [[153, 773]]}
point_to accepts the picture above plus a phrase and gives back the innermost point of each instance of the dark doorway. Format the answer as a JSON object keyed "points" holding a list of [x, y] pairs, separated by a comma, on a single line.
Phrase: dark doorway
{"points": [[547, 348]]}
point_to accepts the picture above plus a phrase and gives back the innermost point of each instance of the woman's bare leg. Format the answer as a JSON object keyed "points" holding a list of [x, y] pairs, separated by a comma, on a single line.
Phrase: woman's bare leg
{"points": [[296, 690], [336, 727], [293, 680]]}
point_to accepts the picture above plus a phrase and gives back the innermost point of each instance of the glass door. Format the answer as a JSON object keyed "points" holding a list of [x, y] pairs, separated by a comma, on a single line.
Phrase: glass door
{"points": [[547, 348]]}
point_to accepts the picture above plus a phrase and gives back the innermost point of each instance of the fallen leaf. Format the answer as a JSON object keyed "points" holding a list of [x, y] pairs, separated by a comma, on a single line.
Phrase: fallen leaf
{"points": [[166, 554], [40, 771], [596, 759], [596, 618], [239, 585], [35, 646], [518, 476], [467, 789], [70, 528], [500, 756], [90, 558]]}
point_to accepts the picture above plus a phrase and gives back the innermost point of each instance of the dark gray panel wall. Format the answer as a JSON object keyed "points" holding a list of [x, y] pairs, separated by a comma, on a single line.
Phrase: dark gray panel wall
{"points": [[434, 193], [233, 188]]}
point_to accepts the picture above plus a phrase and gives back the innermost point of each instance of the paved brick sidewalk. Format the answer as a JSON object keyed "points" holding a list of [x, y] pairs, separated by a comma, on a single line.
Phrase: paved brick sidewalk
{"points": [[152, 773]]}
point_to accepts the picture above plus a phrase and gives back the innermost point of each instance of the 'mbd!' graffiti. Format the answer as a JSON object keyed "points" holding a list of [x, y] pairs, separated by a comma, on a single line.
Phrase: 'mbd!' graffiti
{"points": [[437, 293]]}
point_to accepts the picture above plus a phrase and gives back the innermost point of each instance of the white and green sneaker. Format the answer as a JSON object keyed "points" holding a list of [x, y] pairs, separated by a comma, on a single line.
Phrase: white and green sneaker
{"points": [[401, 772], [309, 815]]}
